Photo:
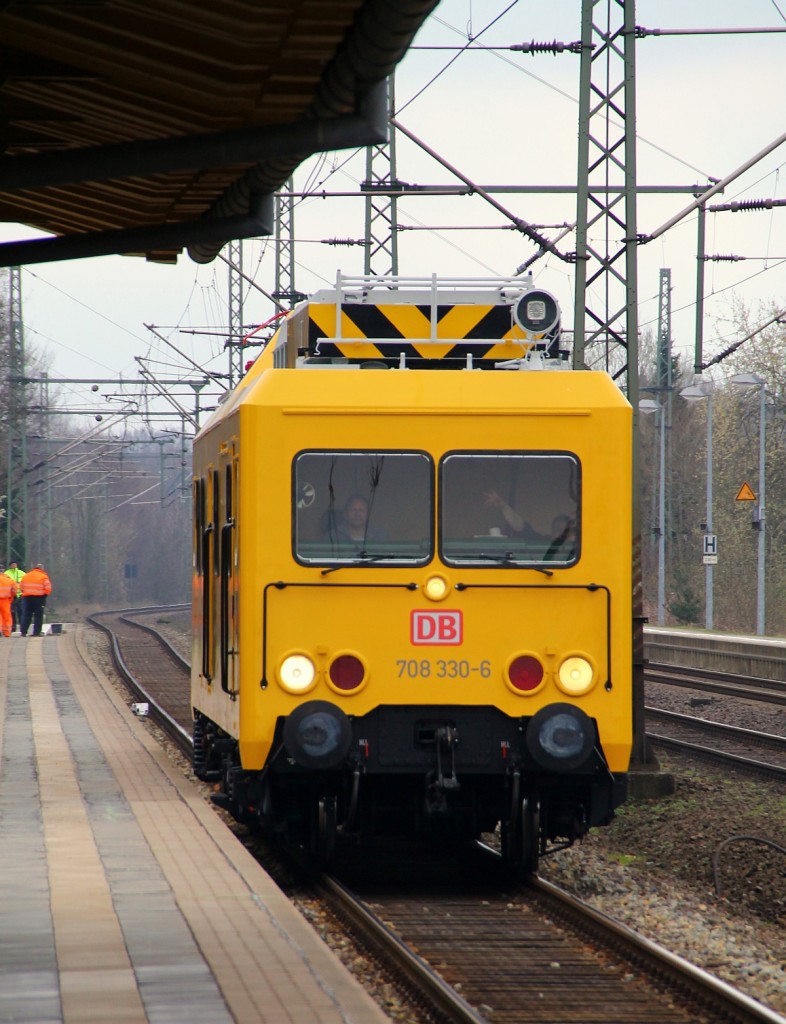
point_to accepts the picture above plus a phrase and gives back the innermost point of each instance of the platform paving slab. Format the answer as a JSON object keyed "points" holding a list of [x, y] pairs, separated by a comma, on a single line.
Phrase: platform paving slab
{"points": [[126, 898]]}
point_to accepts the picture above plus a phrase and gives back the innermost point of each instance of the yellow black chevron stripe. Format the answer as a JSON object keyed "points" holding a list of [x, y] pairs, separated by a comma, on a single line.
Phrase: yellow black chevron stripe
{"points": [[369, 331]]}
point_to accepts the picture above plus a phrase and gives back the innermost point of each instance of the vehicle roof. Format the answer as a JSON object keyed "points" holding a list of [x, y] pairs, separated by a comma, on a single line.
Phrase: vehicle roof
{"points": [[99, 98]]}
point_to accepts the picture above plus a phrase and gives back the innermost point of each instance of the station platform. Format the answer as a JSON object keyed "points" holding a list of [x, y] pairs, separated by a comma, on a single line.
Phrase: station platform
{"points": [[123, 897]]}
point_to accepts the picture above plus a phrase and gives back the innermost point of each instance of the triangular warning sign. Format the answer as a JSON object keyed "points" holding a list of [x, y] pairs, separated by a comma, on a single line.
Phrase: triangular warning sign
{"points": [[745, 493]]}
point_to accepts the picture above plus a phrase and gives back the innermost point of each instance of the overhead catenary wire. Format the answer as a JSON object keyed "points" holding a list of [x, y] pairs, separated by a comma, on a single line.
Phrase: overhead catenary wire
{"points": [[737, 344], [472, 44], [520, 224], [718, 187], [546, 244]]}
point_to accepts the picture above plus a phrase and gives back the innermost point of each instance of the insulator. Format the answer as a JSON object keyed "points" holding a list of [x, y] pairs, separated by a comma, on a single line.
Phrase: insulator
{"points": [[751, 204], [344, 241], [719, 258], [554, 47], [747, 204]]}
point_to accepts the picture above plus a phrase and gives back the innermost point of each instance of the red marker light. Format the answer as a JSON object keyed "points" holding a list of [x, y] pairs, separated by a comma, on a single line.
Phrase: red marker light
{"points": [[347, 672], [525, 673]]}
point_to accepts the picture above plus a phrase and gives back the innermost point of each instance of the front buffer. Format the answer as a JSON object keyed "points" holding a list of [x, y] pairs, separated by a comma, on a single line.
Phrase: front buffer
{"points": [[431, 773]]}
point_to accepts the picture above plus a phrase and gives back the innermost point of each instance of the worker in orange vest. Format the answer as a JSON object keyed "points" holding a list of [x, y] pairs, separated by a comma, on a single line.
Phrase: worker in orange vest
{"points": [[8, 592], [16, 575], [36, 587]]}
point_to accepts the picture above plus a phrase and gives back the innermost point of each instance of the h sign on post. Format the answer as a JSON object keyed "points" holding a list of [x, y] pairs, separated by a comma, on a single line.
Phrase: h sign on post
{"points": [[710, 549]]}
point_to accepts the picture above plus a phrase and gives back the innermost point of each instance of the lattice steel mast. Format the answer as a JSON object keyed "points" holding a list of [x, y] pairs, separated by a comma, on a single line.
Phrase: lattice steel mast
{"points": [[16, 478], [381, 210], [236, 331], [285, 291], [606, 302], [606, 319]]}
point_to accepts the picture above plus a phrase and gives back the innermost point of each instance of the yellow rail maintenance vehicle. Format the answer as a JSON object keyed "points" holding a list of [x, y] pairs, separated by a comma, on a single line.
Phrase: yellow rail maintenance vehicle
{"points": [[412, 574]]}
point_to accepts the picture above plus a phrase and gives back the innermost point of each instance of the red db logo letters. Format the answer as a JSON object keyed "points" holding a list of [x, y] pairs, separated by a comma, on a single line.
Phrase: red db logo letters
{"points": [[433, 627]]}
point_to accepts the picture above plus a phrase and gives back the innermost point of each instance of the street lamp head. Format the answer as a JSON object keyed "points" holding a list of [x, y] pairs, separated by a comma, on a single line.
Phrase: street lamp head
{"points": [[748, 379], [648, 406], [696, 392]]}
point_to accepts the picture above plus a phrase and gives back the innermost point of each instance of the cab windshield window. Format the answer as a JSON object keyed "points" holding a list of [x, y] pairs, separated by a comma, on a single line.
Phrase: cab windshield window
{"points": [[509, 508], [357, 507]]}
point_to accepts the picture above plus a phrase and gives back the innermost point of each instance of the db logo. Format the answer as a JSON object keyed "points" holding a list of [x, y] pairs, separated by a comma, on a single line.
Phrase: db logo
{"points": [[436, 627]]}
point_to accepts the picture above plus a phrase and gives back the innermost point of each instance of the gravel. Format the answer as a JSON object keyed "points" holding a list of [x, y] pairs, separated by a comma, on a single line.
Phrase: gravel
{"points": [[652, 868]]}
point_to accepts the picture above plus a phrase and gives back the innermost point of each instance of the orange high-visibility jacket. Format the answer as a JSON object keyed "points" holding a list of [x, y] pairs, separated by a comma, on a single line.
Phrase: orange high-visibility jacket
{"points": [[8, 588], [36, 583]]}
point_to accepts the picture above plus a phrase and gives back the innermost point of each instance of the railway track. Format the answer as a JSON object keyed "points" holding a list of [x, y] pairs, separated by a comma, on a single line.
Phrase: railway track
{"points": [[743, 748], [155, 673], [750, 749], [503, 953], [522, 952], [772, 691]]}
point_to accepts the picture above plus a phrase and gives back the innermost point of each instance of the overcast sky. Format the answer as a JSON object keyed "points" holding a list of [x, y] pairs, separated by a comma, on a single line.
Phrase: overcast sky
{"points": [[706, 104]]}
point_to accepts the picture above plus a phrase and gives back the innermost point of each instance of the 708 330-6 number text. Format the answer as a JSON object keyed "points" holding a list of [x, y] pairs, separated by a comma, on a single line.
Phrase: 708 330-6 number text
{"points": [[441, 668]]}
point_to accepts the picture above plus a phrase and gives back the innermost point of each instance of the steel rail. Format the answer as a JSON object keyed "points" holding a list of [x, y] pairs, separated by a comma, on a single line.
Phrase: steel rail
{"points": [[419, 975], [771, 691], [722, 728], [721, 1000], [173, 729], [176, 656], [734, 1006], [773, 771]]}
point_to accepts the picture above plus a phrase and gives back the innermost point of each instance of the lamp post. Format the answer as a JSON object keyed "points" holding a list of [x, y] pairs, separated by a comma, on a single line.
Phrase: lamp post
{"points": [[754, 380], [649, 406], [697, 393]]}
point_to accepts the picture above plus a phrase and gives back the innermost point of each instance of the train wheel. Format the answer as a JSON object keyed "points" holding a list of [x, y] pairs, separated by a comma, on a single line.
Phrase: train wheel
{"points": [[510, 828], [326, 825], [521, 836], [530, 834]]}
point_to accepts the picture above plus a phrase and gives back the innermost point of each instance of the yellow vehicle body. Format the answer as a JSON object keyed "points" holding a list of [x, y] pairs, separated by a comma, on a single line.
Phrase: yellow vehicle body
{"points": [[439, 630]]}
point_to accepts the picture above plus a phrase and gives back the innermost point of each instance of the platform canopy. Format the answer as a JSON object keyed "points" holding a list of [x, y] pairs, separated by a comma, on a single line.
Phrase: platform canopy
{"points": [[154, 126]]}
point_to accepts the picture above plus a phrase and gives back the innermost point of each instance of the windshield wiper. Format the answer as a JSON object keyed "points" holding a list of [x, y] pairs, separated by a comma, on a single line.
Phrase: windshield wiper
{"points": [[363, 559], [504, 558]]}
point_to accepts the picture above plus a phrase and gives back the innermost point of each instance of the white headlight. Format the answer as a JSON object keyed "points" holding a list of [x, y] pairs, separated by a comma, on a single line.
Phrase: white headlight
{"points": [[436, 588], [297, 673], [576, 676]]}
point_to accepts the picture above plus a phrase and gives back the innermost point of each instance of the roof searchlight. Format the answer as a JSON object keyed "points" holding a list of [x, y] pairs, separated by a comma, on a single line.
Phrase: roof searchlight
{"points": [[538, 314]]}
